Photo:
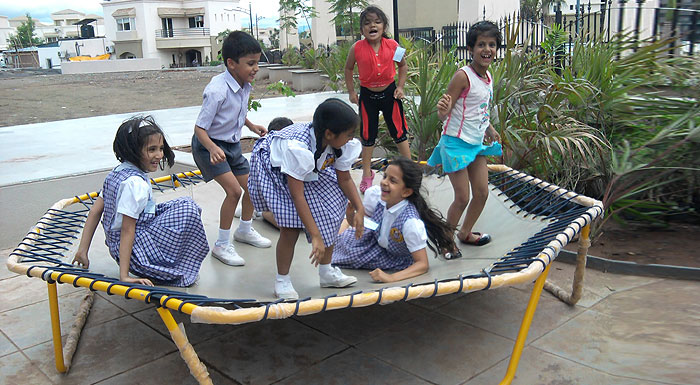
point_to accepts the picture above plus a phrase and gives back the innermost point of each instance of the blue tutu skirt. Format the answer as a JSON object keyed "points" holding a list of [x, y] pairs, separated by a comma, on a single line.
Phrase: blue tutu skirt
{"points": [[455, 154]]}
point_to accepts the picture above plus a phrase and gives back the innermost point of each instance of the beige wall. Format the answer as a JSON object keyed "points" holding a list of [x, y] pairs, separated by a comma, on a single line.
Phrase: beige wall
{"points": [[422, 13], [99, 66]]}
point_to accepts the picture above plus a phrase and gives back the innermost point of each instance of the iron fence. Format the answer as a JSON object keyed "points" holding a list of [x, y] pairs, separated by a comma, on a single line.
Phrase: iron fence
{"points": [[590, 21]]}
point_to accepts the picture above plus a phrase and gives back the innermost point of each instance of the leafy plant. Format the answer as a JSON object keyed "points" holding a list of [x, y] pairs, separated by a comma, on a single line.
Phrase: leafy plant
{"points": [[291, 57], [333, 65], [291, 9], [280, 87]]}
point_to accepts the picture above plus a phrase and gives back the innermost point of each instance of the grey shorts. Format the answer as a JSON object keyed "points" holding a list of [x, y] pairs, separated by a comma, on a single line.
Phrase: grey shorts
{"points": [[235, 161]]}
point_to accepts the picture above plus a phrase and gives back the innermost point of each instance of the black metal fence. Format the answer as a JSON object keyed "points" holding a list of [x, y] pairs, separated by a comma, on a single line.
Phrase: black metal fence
{"points": [[591, 21]]}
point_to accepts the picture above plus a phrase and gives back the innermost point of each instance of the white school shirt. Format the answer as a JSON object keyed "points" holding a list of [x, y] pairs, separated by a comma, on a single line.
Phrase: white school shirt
{"points": [[414, 233], [133, 197], [295, 159], [470, 116], [224, 108]]}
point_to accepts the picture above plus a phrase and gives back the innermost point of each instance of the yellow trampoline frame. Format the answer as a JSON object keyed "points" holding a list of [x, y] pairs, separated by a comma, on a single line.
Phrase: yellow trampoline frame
{"points": [[537, 270]]}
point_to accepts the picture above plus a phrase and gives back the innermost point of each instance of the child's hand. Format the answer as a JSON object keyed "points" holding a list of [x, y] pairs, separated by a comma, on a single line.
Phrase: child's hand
{"points": [[398, 93], [318, 249], [258, 129], [492, 135], [359, 223], [217, 155], [140, 281], [81, 258], [378, 275], [354, 99], [443, 105]]}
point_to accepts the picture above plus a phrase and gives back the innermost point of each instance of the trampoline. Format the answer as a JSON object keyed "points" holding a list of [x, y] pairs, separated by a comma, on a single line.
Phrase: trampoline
{"points": [[529, 219]]}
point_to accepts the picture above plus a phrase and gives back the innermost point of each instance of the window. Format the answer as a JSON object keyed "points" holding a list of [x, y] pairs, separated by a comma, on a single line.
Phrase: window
{"points": [[125, 23], [197, 22]]}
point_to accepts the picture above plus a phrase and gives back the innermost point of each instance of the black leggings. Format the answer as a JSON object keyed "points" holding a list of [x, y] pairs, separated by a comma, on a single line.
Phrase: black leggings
{"points": [[392, 109]]}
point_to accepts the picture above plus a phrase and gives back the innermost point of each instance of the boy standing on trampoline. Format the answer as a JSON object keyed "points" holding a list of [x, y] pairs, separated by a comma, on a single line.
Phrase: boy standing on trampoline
{"points": [[461, 149], [215, 144], [375, 56]]}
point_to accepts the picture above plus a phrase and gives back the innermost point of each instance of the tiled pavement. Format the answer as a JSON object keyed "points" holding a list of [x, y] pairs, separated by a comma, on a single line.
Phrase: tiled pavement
{"points": [[625, 330]]}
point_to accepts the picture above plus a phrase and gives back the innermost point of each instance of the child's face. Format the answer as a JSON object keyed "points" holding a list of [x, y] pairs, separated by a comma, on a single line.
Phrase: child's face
{"points": [[372, 27], [245, 69], [338, 140], [152, 153], [394, 189], [484, 50]]}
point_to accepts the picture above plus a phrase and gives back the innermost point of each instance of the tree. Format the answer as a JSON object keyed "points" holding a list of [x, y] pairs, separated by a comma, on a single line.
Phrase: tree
{"points": [[25, 34], [290, 10], [344, 15]]}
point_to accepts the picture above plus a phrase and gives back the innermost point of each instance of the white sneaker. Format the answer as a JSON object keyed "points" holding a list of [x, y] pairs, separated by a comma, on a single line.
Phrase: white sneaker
{"points": [[239, 210], [336, 278], [252, 237], [285, 290], [227, 255]]}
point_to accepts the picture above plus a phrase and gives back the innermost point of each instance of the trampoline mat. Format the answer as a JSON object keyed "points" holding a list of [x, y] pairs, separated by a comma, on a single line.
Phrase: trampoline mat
{"points": [[255, 280]]}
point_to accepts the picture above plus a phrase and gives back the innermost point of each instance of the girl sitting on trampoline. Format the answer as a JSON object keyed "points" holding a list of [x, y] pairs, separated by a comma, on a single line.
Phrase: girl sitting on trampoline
{"points": [[163, 243], [400, 240], [461, 149], [301, 174]]}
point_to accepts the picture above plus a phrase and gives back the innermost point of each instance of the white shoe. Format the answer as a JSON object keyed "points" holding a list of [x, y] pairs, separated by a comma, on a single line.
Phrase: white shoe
{"points": [[252, 237], [227, 255], [239, 210], [285, 290], [336, 278]]}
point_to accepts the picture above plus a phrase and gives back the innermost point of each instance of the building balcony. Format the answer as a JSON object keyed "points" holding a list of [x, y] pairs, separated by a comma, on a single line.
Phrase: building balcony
{"points": [[182, 38]]}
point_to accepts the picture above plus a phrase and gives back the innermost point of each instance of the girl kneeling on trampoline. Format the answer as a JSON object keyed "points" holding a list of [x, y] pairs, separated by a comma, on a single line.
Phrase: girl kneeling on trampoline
{"points": [[163, 243], [461, 149], [301, 174], [400, 241]]}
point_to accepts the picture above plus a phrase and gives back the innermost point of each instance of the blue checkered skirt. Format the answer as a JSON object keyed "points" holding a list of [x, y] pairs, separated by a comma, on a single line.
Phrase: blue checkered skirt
{"points": [[169, 246], [269, 191]]}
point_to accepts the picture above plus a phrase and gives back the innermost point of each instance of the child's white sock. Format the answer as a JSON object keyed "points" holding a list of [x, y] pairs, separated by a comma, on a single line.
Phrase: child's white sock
{"points": [[224, 237], [244, 227], [324, 269], [283, 277]]}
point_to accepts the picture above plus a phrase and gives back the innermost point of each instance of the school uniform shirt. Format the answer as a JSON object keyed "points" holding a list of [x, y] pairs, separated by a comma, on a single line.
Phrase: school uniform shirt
{"points": [[134, 196], [290, 152], [389, 247], [224, 108]]}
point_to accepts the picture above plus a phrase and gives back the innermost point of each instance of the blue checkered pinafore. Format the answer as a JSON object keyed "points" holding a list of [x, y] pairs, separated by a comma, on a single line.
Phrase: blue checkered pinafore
{"points": [[169, 246], [365, 253], [269, 190]]}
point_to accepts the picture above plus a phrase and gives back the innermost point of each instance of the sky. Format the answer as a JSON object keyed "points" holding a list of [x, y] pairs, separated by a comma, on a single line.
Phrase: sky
{"points": [[42, 9]]}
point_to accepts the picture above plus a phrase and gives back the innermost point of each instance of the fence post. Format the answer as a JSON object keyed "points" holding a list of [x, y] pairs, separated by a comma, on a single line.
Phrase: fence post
{"points": [[637, 23], [655, 34], [588, 22], [603, 8], [674, 25], [693, 32], [619, 21], [558, 55]]}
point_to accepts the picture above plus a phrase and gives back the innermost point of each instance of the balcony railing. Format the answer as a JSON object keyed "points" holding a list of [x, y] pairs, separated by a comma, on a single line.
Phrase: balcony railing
{"points": [[182, 32]]}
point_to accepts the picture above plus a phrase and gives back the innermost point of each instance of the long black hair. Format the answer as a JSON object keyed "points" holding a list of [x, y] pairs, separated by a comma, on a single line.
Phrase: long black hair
{"points": [[380, 14], [440, 233], [133, 134], [334, 115]]}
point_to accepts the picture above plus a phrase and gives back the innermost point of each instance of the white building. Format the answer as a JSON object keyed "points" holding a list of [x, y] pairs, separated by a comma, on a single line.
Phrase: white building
{"points": [[176, 32], [5, 31]]}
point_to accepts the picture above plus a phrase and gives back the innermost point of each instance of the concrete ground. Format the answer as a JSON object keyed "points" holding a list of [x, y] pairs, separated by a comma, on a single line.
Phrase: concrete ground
{"points": [[625, 330]]}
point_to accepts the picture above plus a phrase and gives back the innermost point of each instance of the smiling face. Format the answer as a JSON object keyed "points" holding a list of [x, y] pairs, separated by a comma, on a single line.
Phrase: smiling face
{"points": [[338, 140], [152, 153], [394, 189], [483, 52], [245, 69], [373, 27]]}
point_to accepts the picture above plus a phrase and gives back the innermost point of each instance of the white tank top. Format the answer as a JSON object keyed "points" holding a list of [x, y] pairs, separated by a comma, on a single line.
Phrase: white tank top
{"points": [[469, 117]]}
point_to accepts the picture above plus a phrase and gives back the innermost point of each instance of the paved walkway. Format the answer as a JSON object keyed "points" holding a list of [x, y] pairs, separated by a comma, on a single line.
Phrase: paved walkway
{"points": [[625, 330]]}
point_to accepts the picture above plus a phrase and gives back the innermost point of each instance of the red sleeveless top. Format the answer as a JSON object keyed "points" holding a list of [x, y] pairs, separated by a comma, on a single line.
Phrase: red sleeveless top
{"points": [[376, 69]]}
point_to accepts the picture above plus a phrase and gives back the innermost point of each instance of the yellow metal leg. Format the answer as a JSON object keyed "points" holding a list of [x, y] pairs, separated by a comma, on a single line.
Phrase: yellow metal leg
{"points": [[525, 327], [197, 368], [56, 327]]}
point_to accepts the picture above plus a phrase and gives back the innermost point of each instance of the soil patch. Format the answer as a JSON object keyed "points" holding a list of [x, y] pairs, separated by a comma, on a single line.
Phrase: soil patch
{"points": [[676, 245]]}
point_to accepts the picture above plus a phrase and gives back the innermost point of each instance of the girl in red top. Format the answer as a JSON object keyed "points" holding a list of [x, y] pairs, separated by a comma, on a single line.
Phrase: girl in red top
{"points": [[375, 56]]}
